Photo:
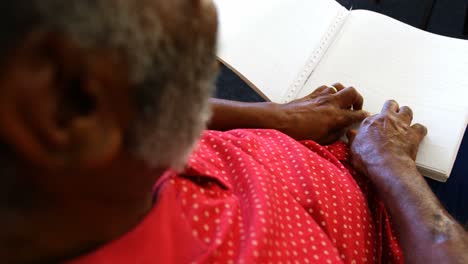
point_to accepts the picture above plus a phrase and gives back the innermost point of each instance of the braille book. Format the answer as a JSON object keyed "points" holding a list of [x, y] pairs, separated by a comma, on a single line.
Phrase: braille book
{"points": [[286, 48]]}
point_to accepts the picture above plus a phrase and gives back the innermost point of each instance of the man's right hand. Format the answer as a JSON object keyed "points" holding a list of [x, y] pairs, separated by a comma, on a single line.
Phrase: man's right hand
{"points": [[385, 150], [387, 140]]}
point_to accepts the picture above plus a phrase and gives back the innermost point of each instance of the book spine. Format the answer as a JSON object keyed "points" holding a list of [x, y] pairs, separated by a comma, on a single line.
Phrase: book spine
{"points": [[314, 60]]}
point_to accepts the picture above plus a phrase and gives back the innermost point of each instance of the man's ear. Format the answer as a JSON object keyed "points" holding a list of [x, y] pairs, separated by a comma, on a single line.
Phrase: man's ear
{"points": [[61, 105]]}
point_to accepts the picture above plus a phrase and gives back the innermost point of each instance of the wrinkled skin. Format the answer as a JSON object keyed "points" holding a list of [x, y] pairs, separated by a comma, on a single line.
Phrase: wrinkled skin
{"points": [[387, 138], [385, 150], [324, 115]]}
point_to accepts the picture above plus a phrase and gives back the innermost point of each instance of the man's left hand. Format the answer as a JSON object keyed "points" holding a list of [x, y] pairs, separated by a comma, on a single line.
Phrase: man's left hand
{"points": [[324, 115]]}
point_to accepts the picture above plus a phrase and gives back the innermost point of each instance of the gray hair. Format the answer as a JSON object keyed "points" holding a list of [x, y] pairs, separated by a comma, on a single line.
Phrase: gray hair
{"points": [[172, 82]]}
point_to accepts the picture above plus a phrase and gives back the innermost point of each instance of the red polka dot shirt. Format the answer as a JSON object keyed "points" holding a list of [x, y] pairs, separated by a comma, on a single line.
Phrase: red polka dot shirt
{"points": [[258, 196]]}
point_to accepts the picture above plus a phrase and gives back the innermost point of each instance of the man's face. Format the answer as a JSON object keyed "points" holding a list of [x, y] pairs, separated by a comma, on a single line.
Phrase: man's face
{"points": [[187, 22], [68, 111]]}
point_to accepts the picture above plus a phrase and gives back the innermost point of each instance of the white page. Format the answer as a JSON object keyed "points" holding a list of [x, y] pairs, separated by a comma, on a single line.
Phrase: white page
{"points": [[270, 41], [386, 59]]}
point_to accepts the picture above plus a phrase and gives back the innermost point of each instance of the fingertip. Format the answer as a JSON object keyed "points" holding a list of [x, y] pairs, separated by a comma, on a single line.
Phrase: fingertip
{"points": [[391, 105], [351, 135], [406, 112], [352, 88], [363, 114], [359, 101], [421, 129]]}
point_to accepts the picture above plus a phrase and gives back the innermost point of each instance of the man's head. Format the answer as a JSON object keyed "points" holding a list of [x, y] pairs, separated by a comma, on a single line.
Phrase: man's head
{"points": [[160, 54], [91, 90]]}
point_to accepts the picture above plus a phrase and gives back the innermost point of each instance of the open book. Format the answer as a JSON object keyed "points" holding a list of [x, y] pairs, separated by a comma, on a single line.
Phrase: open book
{"points": [[286, 48]]}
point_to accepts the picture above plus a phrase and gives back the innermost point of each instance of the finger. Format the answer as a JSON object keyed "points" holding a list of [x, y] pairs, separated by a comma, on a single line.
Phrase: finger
{"points": [[419, 131], [417, 134], [335, 88], [351, 117], [390, 106], [320, 89], [351, 135], [339, 86], [350, 97], [406, 113], [330, 90], [316, 92]]}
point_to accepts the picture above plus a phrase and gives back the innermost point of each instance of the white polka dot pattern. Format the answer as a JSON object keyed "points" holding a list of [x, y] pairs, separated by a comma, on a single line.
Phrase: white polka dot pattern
{"points": [[258, 196], [285, 201]]}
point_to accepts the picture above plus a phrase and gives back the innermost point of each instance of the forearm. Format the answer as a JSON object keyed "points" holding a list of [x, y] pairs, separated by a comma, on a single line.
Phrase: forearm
{"points": [[231, 115], [428, 234]]}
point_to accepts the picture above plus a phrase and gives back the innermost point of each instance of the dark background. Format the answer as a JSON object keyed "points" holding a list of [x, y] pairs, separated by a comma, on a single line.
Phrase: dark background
{"points": [[445, 17]]}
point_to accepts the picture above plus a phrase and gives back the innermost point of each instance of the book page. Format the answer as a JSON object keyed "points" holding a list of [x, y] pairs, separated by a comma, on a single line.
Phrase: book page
{"points": [[269, 42], [386, 59]]}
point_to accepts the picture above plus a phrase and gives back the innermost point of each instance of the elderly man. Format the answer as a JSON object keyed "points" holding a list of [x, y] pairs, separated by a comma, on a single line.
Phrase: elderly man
{"points": [[102, 103]]}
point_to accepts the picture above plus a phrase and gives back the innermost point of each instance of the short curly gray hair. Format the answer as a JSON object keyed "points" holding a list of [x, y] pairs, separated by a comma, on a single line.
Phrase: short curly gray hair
{"points": [[172, 74]]}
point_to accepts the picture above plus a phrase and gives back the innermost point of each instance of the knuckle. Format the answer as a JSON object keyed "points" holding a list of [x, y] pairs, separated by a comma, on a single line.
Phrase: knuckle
{"points": [[402, 125], [323, 100], [375, 124], [367, 120], [386, 116], [372, 119], [340, 119], [321, 88]]}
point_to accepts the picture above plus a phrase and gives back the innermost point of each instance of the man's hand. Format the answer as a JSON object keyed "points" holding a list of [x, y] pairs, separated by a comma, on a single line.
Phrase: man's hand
{"points": [[387, 140], [324, 115], [385, 150]]}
